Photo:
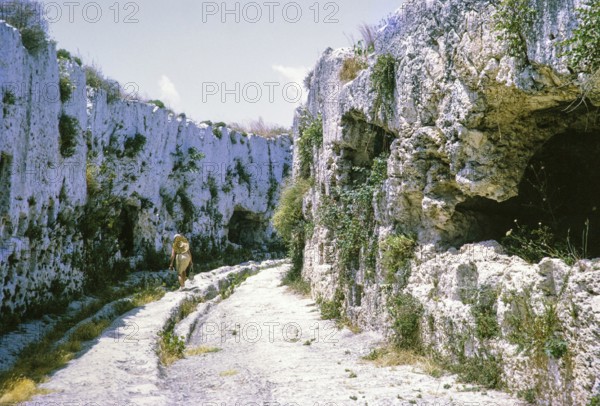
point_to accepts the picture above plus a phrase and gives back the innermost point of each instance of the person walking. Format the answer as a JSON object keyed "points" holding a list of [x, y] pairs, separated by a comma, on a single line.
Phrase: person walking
{"points": [[180, 253]]}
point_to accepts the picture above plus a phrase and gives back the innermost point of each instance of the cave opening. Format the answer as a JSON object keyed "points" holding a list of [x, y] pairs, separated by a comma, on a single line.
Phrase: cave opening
{"points": [[127, 222], [362, 143], [559, 190], [247, 229]]}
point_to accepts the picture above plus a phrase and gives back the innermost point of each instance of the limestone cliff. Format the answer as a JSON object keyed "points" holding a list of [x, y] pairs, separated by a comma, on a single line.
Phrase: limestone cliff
{"points": [[92, 184], [461, 140]]}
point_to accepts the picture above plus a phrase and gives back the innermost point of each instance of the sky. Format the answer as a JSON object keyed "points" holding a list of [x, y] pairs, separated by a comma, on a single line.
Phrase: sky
{"points": [[213, 60]]}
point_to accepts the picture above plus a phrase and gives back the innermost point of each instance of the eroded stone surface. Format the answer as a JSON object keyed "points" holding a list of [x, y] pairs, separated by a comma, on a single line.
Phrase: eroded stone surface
{"points": [[467, 121], [43, 193]]}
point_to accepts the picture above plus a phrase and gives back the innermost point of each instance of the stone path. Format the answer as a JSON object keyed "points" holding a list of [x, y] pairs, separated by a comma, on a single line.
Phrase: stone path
{"points": [[273, 349]]}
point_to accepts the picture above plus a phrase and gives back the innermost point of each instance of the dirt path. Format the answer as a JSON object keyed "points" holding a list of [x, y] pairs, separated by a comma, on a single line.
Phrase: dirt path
{"points": [[274, 349]]}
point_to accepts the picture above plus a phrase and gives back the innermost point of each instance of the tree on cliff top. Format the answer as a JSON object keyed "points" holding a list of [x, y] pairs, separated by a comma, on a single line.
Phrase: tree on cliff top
{"points": [[27, 16]]}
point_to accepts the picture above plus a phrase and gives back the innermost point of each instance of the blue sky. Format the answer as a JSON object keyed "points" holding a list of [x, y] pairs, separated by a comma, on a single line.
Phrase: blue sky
{"points": [[198, 59]]}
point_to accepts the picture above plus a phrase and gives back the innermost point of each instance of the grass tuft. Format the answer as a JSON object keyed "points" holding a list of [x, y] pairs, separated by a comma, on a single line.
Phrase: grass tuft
{"points": [[193, 352], [90, 330], [20, 390], [170, 347], [229, 372], [351, 67], [392, 356], [148, 295]]}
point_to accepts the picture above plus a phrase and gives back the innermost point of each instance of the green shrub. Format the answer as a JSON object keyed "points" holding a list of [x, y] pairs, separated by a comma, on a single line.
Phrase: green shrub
{"points": [[291, 225], [187, 163], [555, 347], [383, 81], [242, 174], [288, 218], [486, 314], [482, 369], [68, 128], [66, 89], [406, 312], [594, 401], [168, 201], [211, 183], [63, 54], [234, 281], [195, 155], [366, 45], [311, 137], [170, 347], [8, 99], [134, 145], [293, 279], [78, 60], [34, 232], [27, 17], [584, 45], [538, 335], [272, 192], [91, 178], [217, 132], [93, 77], [332, 310], [534, 244], [190, 165], [396, 254], [106, 229], [228, 185], [188, 209], [157, 103], [34, 39], [514, 18], [95, 80], [528, 395], [349, 213]]}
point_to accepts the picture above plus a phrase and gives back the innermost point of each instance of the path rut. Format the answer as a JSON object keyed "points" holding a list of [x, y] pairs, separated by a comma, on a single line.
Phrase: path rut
{"points": [[275, 350]]}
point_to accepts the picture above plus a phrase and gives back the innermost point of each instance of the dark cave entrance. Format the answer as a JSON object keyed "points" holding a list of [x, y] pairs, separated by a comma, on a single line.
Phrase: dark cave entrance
{"points": [[247, 229], [127, 221], [560, 189], [363, 142]]}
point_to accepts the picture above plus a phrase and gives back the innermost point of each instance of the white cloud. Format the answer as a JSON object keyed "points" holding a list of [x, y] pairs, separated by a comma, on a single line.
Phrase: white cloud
{"points": [[293, 74], [168, 93]]}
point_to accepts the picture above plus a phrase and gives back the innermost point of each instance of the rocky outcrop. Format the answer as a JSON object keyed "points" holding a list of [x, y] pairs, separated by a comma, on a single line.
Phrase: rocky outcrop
{"points": [[95, 180], [474, 139]]}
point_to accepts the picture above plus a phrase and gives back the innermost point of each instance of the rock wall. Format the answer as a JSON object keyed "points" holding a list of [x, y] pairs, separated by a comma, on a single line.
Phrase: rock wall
{"points": [[94, 180], [467, 128]]}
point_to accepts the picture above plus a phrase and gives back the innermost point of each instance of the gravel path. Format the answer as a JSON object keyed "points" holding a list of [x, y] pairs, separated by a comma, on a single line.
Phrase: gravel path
{"points": [[275, 350]]}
